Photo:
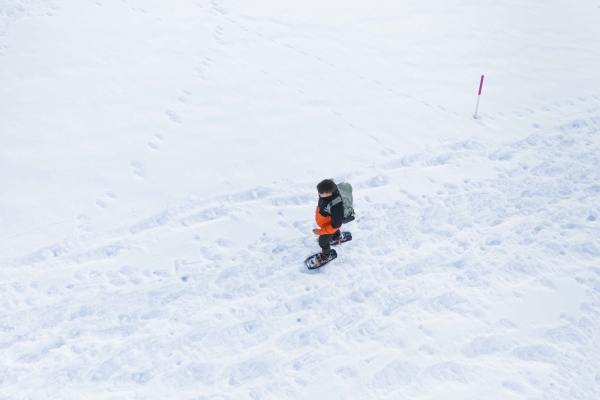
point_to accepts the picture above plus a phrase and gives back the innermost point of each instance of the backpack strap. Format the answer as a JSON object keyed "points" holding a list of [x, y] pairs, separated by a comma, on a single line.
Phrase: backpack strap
{"points": [[332, 203]]}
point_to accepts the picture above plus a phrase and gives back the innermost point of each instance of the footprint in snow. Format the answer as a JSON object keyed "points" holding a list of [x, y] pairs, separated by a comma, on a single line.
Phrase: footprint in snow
{"points": [[162, 273], [184, 97], [114, 279], [493, 241], [137, 168], [224, 243], [172, 115], [52, 291]]}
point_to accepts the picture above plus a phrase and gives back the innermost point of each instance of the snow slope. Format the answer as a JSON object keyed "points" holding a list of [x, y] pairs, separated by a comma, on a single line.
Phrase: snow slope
{"points": [[158, 170]]}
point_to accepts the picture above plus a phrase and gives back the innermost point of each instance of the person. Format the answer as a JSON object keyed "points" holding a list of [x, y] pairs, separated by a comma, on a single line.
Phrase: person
{"points": [[329, 217]]}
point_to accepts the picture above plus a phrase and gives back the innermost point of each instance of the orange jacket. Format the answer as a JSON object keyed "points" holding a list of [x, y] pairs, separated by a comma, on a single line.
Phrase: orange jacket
{"points": [[325, 224]]}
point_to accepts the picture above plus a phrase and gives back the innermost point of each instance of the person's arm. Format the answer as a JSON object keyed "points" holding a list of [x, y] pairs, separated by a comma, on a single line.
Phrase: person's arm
{"points": [[337, 216]]}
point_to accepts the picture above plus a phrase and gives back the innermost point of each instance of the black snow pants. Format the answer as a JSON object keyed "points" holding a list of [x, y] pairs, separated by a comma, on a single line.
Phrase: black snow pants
{"points": [[324, 241]]}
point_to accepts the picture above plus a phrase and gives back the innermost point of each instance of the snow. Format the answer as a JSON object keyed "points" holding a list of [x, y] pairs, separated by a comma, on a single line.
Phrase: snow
{"points": [[159, 163]]}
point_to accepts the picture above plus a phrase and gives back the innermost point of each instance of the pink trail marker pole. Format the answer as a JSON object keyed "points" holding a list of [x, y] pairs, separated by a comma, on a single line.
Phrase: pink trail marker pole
{"points": [[478, 97]]}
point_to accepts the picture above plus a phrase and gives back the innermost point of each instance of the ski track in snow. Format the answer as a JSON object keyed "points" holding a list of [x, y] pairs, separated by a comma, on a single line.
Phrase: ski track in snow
{"points": [[436, 295]]}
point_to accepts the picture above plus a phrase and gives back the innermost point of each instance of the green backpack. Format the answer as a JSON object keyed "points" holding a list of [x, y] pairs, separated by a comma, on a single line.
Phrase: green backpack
{"points": [[346, 199]]}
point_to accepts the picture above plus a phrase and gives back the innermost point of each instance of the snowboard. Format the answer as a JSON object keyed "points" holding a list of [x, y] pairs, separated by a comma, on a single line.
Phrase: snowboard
{"points": [[312, 263]]}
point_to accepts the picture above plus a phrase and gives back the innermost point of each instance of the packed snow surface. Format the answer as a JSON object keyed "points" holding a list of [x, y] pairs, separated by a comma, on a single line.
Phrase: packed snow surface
{"points": [[158, 165]]}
